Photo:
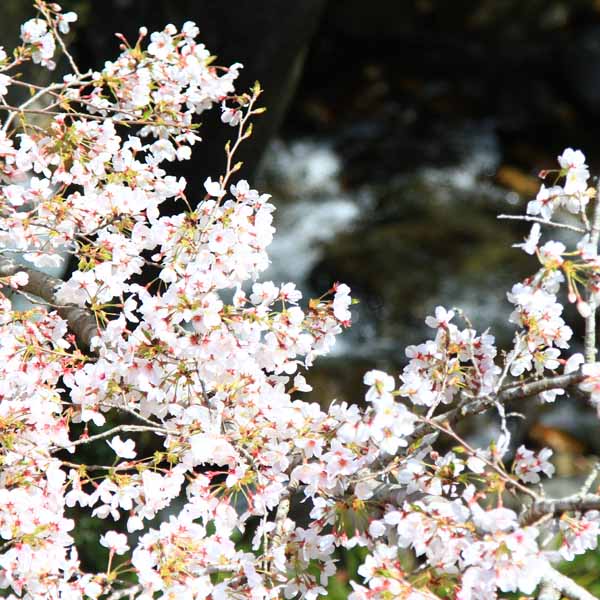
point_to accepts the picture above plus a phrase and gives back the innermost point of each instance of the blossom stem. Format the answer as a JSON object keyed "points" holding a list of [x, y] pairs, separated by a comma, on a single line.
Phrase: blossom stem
{"points": [[59, 39], [507, 478]]}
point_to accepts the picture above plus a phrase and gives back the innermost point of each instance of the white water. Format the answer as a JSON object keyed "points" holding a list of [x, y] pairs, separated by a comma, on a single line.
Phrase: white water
{"points": [[312, 207]]}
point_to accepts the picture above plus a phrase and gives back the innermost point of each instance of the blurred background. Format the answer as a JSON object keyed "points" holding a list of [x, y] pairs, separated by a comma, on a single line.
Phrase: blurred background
{"points": [[396, 132]]}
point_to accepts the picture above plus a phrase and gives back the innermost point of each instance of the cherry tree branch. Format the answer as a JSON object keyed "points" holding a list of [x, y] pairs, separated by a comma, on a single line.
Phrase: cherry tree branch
{"points": [[576, 503], [280, 516], [22, 108], [472, 452], [481, 404], [566, 585], [282, 512], [127, 122], [590, 321], [117, 429], [52, 24], [548, 591], [81, 321]]}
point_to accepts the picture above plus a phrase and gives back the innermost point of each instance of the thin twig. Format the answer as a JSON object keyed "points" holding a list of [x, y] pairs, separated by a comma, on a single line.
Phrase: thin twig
{"points": [[587, 485], [130, 591], [475, 406], [60, 41], [505, 476], [123, 407], [109, 432], [527, 390], [29, 102], [519, 392], [543, 221], [33, 111]]}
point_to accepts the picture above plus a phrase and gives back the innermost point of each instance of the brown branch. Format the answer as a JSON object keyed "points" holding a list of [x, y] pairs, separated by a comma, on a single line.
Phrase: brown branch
{"points": [[554, 508], [541, 385], [81, 321], [500, 471], [127, 122], [52, 24], [478, 405]]}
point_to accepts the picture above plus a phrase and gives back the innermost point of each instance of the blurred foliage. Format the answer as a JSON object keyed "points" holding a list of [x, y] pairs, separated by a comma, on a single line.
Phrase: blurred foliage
{"points": [[585, 570], [348, 563]]}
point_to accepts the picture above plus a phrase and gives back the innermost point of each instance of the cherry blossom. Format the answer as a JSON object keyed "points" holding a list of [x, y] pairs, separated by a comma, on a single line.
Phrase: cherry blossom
{"points": [[116, 542], [209, 362], [531, 242], [573, 163], [527, 465], [124, 449]]}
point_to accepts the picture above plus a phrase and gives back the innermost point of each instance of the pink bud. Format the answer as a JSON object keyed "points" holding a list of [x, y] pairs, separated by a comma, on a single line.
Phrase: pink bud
{"points": [[585, 310], [572, 297]]}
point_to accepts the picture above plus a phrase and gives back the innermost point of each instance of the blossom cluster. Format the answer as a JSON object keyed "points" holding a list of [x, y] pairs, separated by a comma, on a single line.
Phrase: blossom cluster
{"points": [[244, 489], [457, 360]]}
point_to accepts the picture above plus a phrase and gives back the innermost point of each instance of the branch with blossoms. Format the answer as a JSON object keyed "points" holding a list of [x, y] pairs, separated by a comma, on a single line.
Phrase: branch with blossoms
{"points": [[206, 365], [25, 279], [555, 508], [515, 392]]}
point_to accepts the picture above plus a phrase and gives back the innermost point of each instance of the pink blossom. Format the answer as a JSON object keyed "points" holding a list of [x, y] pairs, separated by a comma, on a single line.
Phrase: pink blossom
{"points": [[341, 302], [124, 449], [116, 542], [527, 465]]}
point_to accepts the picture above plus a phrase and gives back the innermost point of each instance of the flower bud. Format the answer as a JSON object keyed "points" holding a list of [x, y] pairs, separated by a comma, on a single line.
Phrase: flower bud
{"points": [[585, 310]]}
